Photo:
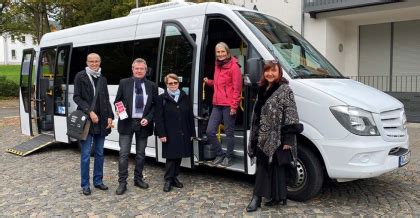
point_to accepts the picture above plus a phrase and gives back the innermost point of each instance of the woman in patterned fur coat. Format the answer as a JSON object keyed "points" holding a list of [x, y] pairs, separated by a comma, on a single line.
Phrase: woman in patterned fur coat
{"points": [[275, 124]]}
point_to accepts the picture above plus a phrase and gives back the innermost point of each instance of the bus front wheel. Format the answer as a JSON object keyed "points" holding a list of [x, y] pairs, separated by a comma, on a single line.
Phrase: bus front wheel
{"points": [[310, 176]]}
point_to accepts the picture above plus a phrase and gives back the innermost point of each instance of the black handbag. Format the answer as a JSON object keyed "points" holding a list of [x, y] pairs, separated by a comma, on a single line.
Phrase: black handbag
{"points": [[287, 159], [78, 122]]}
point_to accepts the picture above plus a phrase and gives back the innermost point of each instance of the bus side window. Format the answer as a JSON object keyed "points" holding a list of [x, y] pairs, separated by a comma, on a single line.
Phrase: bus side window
{"points": [[77, 62], [148, 50], [116, 59]]}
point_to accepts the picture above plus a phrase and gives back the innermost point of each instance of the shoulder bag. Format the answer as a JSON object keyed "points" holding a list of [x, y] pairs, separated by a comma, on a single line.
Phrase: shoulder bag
{"points": [[78, 122]]}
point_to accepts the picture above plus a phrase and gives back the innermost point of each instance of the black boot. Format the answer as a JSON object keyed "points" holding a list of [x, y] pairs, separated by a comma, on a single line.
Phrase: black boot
{"points": [[254, 204], [272, 202], [283, 202]]}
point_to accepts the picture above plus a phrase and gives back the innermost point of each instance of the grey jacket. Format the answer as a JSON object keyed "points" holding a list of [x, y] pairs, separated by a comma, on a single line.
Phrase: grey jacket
{"points": [[278, 117]]}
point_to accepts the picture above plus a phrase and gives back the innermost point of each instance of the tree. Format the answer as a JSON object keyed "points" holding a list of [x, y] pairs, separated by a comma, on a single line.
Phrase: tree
{"points": [[18, 17], [26, 17]]}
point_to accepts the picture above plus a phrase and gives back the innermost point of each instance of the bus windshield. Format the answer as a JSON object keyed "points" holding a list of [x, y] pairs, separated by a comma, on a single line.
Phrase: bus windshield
{"points": [[297, 56]]}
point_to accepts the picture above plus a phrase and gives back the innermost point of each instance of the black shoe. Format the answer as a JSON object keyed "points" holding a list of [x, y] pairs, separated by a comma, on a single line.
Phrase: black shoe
{"points": [[254, 204], [86, 191], [177, 183], [121, 189], [141, 184], [218, 159], [168, 186], [101, 187], [283, 202], [227, 162], [271, 203]]}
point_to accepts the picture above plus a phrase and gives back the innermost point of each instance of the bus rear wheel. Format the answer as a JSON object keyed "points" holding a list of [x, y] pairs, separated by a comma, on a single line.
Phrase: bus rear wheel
{"points": [[310, 176]]}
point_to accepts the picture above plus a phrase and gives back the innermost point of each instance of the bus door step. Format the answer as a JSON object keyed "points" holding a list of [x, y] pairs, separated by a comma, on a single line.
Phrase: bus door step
{"points": [[32, 145]]}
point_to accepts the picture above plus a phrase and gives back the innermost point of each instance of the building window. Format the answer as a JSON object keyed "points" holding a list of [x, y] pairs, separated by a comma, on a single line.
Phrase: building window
{"points": [[23, 39], [14, 54], [12, 38]]}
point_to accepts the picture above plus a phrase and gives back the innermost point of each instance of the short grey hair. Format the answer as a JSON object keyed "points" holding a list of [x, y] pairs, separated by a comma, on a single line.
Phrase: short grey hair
{"points": [[139, 61], [93, 54]]}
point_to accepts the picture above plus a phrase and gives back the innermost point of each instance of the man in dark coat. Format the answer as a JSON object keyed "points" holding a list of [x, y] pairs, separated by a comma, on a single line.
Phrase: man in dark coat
{"points": [[138, 96], [101, 116], [175, 128]]}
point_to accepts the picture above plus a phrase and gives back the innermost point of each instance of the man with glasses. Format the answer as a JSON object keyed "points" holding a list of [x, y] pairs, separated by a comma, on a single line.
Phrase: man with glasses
{"points": [[138, 96], [101, 115]]}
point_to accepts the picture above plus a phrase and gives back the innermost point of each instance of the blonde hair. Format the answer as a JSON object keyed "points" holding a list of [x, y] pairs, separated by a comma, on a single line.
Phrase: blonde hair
{"points": [[224, 46], [172, 76]]}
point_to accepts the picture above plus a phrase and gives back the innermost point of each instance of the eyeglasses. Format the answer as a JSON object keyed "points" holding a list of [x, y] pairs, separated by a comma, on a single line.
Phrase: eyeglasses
{"points": [[271, 62], [94, 61], [172, 83]]}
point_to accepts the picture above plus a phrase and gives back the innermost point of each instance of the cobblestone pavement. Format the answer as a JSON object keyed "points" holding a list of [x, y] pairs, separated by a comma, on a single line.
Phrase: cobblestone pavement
{"points": [[46, 183]]}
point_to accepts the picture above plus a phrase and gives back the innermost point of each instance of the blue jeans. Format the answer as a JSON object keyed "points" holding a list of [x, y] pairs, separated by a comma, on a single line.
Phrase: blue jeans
{"points": [[219, 114], [98, 167]]}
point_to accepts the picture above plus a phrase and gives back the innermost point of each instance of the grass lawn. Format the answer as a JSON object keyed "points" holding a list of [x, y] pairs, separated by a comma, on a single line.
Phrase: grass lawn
{"points": [[11, 72]]}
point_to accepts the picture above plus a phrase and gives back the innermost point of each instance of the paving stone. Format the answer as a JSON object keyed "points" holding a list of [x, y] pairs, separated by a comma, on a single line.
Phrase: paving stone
{"points": [[47, 184]]}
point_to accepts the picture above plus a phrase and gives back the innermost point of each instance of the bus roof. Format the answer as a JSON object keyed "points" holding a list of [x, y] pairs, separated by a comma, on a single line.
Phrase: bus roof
{"points": [[124, 28]]}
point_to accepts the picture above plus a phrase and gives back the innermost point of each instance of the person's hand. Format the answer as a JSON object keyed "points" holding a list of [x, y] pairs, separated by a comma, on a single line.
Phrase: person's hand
{"points": [[144, 122], [253, 160], [232, 112], [285, 147], [205, 79], [163, 139], [94, 117], [109, 123]]}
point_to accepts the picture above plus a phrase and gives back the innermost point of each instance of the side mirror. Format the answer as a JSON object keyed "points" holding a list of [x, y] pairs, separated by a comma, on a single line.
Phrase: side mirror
{"points": [[254, 70]]}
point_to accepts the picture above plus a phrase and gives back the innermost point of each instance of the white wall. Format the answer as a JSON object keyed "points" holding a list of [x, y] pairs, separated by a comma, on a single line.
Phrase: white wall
{"points": [[329, 29], [288, 11], [6, 47]]}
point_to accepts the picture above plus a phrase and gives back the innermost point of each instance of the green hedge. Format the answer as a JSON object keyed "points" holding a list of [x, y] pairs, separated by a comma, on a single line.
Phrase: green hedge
{"points": [[8, 88]]}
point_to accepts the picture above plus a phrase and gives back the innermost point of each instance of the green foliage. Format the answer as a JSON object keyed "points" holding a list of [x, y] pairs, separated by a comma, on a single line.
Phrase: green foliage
{"points": [[11, 72], [8, 88], [34, 16]]}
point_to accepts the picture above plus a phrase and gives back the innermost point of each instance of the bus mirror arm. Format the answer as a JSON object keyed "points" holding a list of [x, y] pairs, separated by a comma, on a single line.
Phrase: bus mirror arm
{"points": [[247, 80], [254, 68]]}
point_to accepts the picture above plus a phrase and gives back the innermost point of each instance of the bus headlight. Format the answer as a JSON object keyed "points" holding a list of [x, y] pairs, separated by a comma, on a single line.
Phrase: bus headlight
{"points": [[355, 120]]}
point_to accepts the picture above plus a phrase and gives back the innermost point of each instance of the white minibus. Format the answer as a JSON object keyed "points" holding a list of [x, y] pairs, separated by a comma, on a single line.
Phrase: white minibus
{"points": [[351, 131]]}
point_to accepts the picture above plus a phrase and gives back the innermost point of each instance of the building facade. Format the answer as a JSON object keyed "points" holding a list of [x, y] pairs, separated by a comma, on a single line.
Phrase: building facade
{"points": [[376, 42], [11, 48]]}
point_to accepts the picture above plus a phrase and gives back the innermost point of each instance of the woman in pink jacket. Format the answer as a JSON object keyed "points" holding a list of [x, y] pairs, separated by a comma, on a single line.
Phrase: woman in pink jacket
{"points": [[227, 85]]}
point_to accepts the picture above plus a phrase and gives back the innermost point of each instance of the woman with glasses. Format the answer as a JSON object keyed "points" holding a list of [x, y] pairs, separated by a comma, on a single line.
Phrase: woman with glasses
{"points": [[227, 85], [175, 128], [275, 124]]}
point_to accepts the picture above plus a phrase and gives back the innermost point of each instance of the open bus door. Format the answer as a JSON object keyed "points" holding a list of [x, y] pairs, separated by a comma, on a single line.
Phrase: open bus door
{"points": [[177, 52], [61, 92], [26, 92], [52, 91]]}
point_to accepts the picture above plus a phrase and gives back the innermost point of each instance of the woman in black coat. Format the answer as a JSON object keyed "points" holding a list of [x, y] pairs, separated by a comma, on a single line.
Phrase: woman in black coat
{"points": [[175, 128], [275, 124]]}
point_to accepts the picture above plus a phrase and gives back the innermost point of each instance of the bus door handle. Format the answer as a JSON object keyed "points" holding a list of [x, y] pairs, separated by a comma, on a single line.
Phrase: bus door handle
{"points": [[201, 118], [200, 139]]}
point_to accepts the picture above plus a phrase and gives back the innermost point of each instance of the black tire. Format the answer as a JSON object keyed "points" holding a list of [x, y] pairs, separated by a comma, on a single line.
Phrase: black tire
{"points": [[310, 176]]}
